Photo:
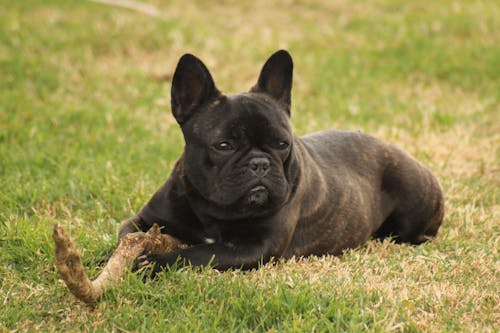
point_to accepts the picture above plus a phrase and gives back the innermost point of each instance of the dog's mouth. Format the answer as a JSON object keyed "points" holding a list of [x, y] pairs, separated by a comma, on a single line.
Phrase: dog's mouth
{"points": [[258, 195]]}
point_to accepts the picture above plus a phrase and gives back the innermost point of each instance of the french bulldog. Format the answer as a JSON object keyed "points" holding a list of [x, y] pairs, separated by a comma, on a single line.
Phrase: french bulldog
{"points": [[246, 190]]}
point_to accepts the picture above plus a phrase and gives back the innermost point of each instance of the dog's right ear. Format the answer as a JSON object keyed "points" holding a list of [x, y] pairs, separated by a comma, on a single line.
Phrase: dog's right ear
{"points": [[192, 87]]}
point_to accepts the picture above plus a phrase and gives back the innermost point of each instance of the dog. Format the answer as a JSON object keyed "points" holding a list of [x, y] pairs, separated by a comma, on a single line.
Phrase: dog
{"points": [[246, 190]]}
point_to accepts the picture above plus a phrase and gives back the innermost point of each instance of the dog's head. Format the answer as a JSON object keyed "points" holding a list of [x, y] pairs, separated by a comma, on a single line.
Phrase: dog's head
{"points": [[239, 152]]}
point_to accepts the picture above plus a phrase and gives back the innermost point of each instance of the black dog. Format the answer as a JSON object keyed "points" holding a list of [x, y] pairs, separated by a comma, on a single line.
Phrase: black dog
{"points": [[246, 190]]}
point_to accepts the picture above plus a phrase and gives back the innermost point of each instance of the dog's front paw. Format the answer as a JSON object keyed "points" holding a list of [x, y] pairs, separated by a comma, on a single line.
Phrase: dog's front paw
{"points": [[154, 263]]}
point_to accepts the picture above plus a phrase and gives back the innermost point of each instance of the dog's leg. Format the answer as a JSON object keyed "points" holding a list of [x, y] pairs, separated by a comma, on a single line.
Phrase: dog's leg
{"points": [[414, 225], [219, 256], [416, 201], [237, 253], [133, 224]]}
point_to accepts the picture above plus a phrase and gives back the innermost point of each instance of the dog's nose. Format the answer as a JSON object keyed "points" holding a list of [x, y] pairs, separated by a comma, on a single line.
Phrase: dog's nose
{"points": [[259, 166]]}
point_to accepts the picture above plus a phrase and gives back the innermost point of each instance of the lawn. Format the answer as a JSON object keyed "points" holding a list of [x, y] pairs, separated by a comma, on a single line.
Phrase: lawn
{"points": [[86, 137]]}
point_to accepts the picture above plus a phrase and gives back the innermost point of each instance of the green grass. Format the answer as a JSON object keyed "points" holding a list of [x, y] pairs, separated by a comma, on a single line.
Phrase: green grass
{"points": [[86, 137]]}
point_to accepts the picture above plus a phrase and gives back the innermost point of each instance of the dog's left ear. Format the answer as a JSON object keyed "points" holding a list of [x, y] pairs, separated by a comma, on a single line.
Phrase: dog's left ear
{"points": [[276, 78]]}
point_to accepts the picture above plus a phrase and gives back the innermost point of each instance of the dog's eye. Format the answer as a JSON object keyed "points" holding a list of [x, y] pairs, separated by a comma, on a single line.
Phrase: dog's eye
{"points": [[282, 144], [224, 145]]}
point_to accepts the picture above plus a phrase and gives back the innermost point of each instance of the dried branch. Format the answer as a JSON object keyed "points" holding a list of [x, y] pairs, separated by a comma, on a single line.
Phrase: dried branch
{"points": [[69, 263]]}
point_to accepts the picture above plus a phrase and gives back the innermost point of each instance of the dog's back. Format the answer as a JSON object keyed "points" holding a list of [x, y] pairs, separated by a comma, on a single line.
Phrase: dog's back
{"points": [[365, 187]]}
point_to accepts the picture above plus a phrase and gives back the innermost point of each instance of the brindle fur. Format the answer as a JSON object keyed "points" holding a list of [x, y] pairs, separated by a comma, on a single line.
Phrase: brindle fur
{"points": [[325, 193]]}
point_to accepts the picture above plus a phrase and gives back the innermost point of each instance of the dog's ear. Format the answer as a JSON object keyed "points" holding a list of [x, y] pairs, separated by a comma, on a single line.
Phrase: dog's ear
{"points": [[192, 87], [276, 78]]}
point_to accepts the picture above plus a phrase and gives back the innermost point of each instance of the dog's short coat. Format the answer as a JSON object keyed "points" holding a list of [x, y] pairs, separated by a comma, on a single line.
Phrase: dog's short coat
{"points": [[246, 189]]}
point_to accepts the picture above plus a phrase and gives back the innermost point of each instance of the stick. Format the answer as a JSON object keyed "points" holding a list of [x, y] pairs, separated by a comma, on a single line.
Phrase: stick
{"points": [[69, 262], [134, 5]]}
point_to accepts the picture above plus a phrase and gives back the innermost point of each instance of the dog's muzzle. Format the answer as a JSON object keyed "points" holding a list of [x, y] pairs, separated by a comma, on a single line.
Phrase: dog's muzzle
{"points": [[258, 195]]}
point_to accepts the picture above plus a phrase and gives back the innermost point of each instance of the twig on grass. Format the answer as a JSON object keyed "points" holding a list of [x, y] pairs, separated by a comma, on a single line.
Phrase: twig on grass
{"points": [[134, 5], [69, 261]]}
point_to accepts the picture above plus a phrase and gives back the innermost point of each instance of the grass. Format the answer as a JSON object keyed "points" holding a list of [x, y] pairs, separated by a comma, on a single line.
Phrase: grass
{"points": [[86, 137]]}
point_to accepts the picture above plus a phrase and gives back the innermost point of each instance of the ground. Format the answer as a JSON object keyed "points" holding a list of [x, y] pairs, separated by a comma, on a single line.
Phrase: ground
{"points": [[86, 137]]}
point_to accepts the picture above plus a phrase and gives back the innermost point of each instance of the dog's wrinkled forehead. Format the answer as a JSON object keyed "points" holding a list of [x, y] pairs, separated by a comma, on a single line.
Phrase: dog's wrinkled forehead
{"points": [[242, 115]]}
